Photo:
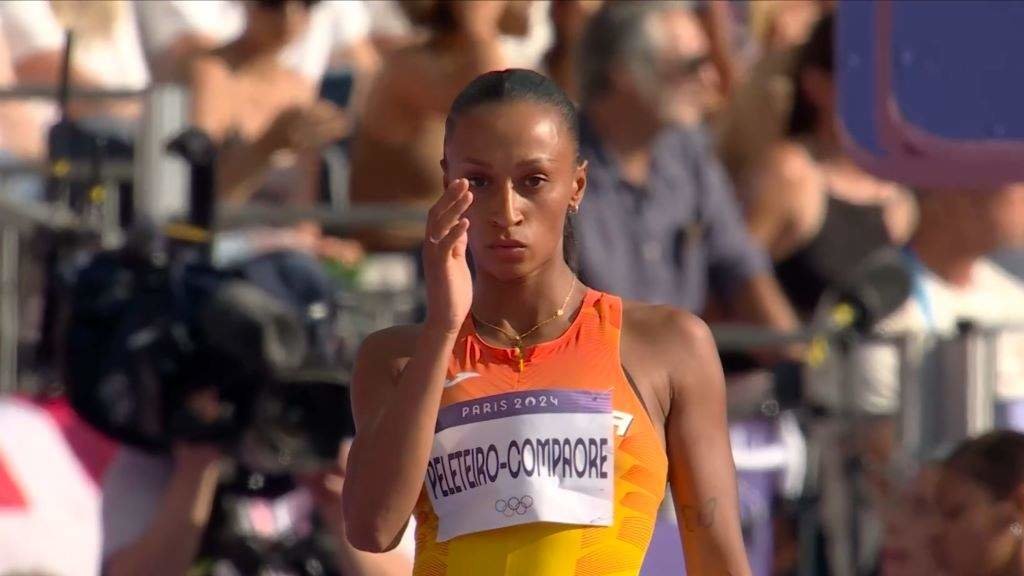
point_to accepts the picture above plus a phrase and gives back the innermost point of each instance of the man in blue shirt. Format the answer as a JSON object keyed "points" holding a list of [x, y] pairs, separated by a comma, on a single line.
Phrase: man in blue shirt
{"points": [[660, 222]]}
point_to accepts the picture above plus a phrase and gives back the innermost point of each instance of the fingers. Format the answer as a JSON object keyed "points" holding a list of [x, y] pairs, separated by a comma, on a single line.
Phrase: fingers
{"points": [[457, 232], [443, 219], [451, 195]]}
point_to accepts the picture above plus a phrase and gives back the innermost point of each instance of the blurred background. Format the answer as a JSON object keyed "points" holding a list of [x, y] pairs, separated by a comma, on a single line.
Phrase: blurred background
{"points": [[206, 205]]}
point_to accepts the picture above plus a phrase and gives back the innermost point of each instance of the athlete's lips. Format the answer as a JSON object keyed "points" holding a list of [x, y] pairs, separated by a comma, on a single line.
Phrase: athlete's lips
{"points": [[506, 245], [508, 250]]}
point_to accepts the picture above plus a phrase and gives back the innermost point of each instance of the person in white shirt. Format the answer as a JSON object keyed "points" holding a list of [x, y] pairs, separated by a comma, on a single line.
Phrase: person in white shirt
{"points": [[338, 35], [953, 282], [106, 53]]}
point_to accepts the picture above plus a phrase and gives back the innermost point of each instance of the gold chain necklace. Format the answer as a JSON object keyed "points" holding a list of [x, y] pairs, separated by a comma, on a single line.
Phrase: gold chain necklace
{"points": [[517, 339]]}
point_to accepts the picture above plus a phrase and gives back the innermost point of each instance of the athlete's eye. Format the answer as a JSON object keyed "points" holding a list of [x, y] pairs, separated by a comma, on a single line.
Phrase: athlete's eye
{"points": [[535, 181], [477, 181]]}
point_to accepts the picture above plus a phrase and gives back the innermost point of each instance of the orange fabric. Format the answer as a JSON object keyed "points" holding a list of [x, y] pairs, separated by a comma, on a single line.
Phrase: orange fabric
{"points": [[585, 357]]}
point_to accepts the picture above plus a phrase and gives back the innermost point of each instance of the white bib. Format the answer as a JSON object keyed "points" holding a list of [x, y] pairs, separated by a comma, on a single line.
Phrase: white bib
{"points": [[521, 457]]}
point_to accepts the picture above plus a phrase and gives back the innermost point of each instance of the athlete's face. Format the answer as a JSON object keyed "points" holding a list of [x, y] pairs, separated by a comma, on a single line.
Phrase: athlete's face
{"points": [[974, 535], [520, 161]]}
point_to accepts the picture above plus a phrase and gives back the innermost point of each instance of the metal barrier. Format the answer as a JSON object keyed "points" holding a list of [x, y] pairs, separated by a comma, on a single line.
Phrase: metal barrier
{"points": [[53, 93]]}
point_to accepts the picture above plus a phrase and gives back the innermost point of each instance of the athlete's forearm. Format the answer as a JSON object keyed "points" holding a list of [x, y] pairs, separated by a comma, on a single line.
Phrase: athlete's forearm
{"points": [[389, 455]]}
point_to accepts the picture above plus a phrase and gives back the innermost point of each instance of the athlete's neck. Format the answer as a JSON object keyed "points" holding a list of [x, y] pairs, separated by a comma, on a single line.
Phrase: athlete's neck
{"points": [[519, 305]]}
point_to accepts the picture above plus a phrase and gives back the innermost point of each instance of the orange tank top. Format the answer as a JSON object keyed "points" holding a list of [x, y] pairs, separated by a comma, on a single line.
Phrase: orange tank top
{"points": [[585, 358]]}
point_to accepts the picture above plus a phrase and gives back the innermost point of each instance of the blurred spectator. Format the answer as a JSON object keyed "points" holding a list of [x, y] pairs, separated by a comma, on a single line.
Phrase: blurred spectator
{"points": [[21, 137], [980, 501], [390, 26], [953, 282], [777, 25], [266, 119], [338, 35], [740, 32], [269, 123], [526, 33], [660, 223], [809, 205], [395, 157], [726, 26], [21, 130], [106, 53], [569, 17]]}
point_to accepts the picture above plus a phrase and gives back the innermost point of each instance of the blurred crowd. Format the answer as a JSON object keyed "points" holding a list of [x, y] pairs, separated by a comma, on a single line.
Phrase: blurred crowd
{"points": [[717, 182]]}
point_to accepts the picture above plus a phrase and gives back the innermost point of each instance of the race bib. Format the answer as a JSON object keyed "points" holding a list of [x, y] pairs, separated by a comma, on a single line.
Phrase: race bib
{"points": [[521, 457]]}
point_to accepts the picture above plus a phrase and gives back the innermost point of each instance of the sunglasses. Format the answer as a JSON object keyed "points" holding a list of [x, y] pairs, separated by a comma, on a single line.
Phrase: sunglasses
{"points": [[280, 4], [684, 68]]}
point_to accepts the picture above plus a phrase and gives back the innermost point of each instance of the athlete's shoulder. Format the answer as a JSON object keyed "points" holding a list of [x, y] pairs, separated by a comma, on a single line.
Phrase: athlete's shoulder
{"points": [[658, 323], [670, 335], [391, 343]]}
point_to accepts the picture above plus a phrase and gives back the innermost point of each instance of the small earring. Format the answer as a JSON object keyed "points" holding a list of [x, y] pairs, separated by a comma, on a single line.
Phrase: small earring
{"points": [[573, 209], [1017, 529]]}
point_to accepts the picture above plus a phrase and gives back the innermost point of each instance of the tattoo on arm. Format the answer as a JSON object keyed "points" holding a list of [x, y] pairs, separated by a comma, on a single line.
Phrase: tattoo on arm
{"points": [[702, 517]]}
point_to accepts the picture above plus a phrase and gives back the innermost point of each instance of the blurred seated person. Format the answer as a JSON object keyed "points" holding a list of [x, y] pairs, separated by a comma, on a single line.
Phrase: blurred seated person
{"points": [[953, 282], [269, 123], [22, 137], [106, 52], [176, 32], [21, 129], [570, 18], [527, 33], [398, 143], [816, 213], [660, 223], [979, 497]]}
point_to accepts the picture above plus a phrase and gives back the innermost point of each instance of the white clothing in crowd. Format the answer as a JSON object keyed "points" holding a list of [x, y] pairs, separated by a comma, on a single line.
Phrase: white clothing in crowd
{"points": [[113, 61], [333, 26], [994, 298]]}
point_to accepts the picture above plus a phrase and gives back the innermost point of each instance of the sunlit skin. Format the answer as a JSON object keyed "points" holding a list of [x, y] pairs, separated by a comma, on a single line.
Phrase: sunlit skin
{"points": [[511, 175], [521, 191]]}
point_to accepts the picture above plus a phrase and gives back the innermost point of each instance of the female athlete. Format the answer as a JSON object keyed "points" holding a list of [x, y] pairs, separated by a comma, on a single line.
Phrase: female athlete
{"points": [[530, 423]]}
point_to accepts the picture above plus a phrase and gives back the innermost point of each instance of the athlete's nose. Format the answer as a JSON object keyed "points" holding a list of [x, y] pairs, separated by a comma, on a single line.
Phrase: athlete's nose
{"points": [[506, 212]]}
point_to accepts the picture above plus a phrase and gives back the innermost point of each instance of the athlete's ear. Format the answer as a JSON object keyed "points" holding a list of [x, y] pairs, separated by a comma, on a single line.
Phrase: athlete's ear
{"points": [[579, 184]]}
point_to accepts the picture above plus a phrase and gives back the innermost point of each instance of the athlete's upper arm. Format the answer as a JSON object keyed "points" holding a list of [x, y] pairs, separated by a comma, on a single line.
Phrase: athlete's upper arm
{"points": [[701, 470], [376, 373]]}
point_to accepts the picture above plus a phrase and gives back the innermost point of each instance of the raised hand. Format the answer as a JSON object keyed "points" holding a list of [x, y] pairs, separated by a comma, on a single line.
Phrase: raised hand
{"points": [[306, 128], [449, 284]]}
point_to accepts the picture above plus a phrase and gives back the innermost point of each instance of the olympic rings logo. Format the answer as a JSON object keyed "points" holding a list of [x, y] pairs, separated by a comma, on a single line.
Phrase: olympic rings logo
{"points": [[513, 505]]}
